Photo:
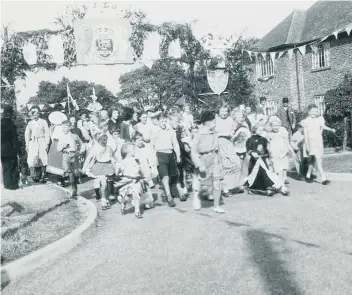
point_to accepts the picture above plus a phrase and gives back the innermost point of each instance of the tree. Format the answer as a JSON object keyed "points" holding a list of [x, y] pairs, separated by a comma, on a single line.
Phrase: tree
{"points": [[338, 103], [162, 84], [239, 86], [50, 93]]}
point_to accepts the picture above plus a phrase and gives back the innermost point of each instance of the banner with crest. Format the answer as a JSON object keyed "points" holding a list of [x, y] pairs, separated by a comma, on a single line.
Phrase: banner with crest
{"points": [[218, 80], [100, 41]]}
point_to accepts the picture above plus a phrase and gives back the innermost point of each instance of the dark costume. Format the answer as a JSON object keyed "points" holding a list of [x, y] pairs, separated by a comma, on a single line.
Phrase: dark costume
{"points": [[9, 152], [260, 178]]}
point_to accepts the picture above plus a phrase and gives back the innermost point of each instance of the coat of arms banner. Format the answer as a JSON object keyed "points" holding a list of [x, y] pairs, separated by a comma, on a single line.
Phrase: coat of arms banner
{"points": [[103, 41], [218, 80]]}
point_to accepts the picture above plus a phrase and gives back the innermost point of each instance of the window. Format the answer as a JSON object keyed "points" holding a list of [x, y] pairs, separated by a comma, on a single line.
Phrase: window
{"points": [[271, 108], [321, 58], [319, 101], [265, 67]]}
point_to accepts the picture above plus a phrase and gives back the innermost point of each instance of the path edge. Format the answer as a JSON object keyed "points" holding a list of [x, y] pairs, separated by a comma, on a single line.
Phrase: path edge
{"points": [[14, 270]]}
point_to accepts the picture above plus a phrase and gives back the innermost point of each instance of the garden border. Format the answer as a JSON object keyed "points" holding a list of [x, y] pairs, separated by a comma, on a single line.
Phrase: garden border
{"points": [[14, 270]]}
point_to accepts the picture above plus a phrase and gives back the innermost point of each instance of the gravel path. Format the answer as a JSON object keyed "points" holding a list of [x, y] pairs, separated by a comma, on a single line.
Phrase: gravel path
{"points": [[301, 244]]}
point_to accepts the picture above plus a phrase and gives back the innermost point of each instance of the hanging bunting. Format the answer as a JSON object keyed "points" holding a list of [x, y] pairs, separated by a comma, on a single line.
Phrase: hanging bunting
{"points": [[314, 47], [63, 104], [56, 49], [281, 53], [302, 49], [52, 105], [349, 29], [41, 106], [263, 54], [175, 49], [30, 53], [290, 53], [29, 106], [256, 55], [250, 54], [272, 56], [336, 33]]}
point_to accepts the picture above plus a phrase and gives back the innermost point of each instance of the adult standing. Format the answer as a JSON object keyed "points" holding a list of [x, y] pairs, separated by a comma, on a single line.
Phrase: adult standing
{"points": [[287, 116], [9, 150], [37, 137]]}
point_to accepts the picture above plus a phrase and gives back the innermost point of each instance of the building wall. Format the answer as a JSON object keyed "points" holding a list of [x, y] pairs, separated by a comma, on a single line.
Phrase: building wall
{"points": [[310, 82], [318, 82]]}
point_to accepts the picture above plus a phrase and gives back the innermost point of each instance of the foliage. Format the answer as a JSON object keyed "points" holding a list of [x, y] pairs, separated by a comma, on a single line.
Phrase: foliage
{"points": [[338, 106], [50, 93], [162, 84], [20, 122]]}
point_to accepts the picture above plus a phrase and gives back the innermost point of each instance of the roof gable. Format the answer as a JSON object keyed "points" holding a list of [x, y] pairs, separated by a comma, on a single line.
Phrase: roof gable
{"points": [[321, 19]]}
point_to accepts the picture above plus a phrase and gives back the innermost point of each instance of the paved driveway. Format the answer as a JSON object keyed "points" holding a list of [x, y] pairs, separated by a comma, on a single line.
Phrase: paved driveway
{"points": [[301, 244]]}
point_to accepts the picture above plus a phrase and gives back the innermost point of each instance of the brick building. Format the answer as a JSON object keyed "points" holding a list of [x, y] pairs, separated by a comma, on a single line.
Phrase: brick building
{"points": [[304, 67]]}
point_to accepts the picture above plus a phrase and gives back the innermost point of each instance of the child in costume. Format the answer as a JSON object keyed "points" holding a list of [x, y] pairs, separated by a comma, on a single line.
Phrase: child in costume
{"points": [[71, 147], [279, 148], [100, 164], [313, 135], [135, 184], [260, 178], [205, 148], [142, 155]]}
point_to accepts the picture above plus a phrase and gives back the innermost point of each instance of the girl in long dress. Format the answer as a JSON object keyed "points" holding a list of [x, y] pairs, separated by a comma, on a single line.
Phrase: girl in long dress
{"points": [[231, 164], [242, 134], [37, 136]]}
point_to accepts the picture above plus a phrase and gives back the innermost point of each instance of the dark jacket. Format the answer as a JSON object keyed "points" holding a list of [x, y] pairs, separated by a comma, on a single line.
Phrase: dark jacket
{"points": [[9, 139], [287, 121]]}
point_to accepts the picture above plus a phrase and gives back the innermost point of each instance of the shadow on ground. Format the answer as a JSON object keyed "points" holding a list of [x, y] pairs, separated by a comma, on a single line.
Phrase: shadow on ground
{"points": [[274, 271]]}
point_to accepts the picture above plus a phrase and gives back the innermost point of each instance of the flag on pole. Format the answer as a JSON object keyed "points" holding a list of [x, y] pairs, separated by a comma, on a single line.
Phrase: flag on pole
{"points": [[73, 101]]}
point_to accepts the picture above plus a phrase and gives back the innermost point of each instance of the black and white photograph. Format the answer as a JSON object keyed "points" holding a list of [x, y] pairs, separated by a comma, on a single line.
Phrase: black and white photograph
{"points": [[176, 147]]}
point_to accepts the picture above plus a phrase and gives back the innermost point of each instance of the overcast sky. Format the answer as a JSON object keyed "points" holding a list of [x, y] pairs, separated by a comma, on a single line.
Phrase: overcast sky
{"points": [[249, 18]]}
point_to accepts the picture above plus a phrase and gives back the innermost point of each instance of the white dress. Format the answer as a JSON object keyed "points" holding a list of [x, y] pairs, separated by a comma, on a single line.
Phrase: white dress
{"points": [[279, 149], [314, 133], [37, 137]]}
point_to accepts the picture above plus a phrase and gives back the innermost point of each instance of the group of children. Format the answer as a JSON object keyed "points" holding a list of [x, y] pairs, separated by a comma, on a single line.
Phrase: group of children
{"points": [[171, 147]]}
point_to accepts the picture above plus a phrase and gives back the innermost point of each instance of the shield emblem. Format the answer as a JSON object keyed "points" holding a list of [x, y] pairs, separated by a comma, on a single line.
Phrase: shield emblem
{"points": [[105, 47], [218, 80]]}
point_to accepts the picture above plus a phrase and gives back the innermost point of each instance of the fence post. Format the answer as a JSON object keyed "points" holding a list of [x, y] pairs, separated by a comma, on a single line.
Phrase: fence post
{"points": [[345, 128]]}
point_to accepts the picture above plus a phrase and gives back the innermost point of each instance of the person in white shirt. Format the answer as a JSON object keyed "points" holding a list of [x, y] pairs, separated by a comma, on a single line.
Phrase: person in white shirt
{"points": [[279, 148], [71, 147], [165, 144]]}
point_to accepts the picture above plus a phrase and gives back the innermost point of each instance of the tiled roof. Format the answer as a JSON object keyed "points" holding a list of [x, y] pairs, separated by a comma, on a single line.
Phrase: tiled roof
{"points": [[321, 19]]}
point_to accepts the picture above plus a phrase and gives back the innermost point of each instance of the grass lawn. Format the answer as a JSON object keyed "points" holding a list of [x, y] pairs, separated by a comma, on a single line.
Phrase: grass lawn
{"points": [[34, 217], [338, 164]]}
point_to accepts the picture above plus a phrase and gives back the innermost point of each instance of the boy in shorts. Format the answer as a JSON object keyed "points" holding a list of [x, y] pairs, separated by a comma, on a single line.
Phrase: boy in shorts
{"points": [[204, 152], [71, 147], [165, 144]]}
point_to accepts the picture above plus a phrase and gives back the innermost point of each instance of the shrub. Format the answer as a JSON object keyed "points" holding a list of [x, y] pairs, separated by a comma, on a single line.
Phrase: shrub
{"points": [[338, 106]]}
